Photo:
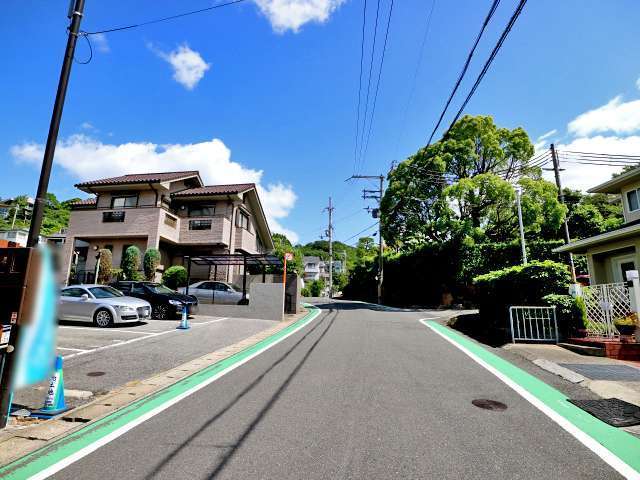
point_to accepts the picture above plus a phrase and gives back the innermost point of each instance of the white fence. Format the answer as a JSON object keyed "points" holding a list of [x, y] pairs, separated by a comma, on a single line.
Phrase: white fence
{"points": [[533, 324], [604, 303]]}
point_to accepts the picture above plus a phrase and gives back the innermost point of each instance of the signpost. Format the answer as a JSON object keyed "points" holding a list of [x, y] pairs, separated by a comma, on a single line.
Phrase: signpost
{"points": [[287, 256]]}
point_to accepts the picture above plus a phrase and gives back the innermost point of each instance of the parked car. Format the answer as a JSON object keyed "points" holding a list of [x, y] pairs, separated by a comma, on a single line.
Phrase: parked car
{"points": [[101, 305], [165, 303], [219, 292]]}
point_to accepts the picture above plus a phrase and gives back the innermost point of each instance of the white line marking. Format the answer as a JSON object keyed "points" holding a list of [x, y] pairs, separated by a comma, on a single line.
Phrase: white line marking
{"points": [[107, 330], [56, 467], [72, 349], [589, 442], [133, 340]]}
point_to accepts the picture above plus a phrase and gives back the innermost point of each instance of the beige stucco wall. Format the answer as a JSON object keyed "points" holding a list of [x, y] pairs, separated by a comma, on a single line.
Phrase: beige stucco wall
{"points": [[628, 215], [599, 259]]}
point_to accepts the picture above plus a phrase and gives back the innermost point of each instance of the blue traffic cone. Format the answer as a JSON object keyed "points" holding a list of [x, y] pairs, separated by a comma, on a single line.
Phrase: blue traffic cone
{"points": [[54, 402], [184, 322]]}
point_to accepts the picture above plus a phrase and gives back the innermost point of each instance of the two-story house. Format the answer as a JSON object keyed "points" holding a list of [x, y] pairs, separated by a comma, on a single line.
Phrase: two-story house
{"points": [[311, 268], [173, 212], [610, 255]]}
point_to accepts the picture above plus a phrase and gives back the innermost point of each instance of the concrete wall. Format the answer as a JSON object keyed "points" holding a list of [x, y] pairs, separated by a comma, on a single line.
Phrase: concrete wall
{"points": [[266, 302]]}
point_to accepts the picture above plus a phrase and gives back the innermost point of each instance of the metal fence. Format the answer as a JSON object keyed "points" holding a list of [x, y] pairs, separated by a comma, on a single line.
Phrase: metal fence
{"points": [[533, 324]]}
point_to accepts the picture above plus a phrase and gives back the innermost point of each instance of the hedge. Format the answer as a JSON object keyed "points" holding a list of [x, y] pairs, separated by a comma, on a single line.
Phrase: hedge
{"points": [[520, 285], [174, 277]]}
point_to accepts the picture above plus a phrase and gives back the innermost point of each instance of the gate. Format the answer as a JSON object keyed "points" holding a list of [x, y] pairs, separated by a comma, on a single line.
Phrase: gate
{"points": [[604, 303], [533, 324]]}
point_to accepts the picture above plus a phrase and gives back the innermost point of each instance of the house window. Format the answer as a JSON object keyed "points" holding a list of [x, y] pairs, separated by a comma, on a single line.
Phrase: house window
{"points": [[110, 217], [199, 224], [242, 220], [202, 210], [632, 200], [124, 201], [109, 247]]}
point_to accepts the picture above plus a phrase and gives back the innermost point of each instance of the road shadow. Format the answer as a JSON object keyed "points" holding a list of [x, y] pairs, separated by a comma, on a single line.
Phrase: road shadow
{"points": [[339, 304], [115, 326], [233, 447]]}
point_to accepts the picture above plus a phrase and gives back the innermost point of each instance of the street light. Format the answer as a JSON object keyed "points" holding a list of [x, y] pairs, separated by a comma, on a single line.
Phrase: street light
{"points": [[518, 189]]}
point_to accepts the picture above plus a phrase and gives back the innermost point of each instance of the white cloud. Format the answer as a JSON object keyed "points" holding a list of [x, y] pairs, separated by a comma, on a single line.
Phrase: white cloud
{"points": [[292, 14], [87, 126], [544, 136], [616, 116], [584, 176], [188, 65], [100, 41], [87, 158]]}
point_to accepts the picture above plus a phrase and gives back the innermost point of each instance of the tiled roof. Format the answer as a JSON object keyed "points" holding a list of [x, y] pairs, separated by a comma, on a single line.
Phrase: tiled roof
{"points": [[86, 201], [139, 178], [215, 190]]}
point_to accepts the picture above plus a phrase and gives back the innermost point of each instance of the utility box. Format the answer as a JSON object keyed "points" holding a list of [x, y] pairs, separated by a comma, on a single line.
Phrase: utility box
{"points": [[18, 284]]}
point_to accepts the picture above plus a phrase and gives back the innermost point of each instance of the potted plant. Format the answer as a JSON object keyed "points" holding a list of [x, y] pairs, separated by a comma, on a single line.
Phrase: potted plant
{"points": [[627, 325]]}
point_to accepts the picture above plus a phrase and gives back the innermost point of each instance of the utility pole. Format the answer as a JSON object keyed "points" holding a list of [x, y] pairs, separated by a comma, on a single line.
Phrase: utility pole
{"points": [[76, 9], [567, 237], [330, 209], [376, 195], [521, 224]]}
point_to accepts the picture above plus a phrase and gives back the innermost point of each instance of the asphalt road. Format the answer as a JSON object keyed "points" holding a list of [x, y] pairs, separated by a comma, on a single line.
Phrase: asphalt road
{"points": [[358, 393]]}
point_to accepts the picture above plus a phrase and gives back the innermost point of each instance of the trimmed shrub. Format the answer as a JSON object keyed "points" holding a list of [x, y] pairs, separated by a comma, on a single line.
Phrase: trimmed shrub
{"points": [[571, 313], [106, 267], [521, 285], [305, 292], [150, 263], [131, 263], [175, 277], [316, 288]]}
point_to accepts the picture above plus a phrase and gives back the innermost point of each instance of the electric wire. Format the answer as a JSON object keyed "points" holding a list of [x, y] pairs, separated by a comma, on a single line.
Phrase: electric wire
{"points": [[165, 19], [492, 10], [86, 37], [355, 149], [489, 61], [366, 103], [361, 232], [375, 96]]}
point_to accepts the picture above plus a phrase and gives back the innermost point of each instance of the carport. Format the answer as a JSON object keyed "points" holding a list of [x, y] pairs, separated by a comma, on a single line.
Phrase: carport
{"points": [[233, 259]]}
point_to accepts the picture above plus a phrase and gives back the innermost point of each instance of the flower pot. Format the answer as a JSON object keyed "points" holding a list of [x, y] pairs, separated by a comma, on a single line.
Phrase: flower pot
{"points": [[626, 329]]}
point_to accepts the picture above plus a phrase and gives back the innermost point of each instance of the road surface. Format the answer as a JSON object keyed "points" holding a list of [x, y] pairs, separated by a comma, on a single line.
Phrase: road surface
{"points": [[357, 393]]}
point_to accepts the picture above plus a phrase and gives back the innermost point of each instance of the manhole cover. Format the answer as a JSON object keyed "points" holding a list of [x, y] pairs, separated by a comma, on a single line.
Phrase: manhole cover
{"points": [[95, 374], [613, 411], [489, 404]]}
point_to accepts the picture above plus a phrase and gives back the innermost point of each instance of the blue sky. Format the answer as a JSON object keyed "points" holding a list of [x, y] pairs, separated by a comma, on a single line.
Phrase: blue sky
{"points": [[266, 91]]}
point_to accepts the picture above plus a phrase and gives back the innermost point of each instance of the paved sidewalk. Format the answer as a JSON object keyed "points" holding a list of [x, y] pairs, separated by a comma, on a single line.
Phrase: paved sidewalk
{"points": [[606, 377]]}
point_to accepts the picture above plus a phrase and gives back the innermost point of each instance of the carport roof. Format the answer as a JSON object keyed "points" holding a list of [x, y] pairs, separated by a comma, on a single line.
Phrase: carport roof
{"points": [[236, 259]]}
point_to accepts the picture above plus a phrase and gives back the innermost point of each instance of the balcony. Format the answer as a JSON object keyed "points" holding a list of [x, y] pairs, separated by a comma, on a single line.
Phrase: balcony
{"points": [[205, 230], [245, 240], [114, 222]]}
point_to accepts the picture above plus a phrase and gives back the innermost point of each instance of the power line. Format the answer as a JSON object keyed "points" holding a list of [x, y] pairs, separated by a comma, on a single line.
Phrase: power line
{"points": [[602, 154], [488, 63], [364, 23], [403, 123], [375, 97], [360, 232], [366, 104], [165, 19], [492, 10]]}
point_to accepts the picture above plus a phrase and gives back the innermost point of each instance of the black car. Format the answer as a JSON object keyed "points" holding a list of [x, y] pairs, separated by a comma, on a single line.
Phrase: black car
{"points": [[165, 303]]}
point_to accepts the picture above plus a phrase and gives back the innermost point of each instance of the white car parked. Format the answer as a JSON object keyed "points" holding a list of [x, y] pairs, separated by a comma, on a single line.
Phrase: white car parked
{"points": [[210, 291], [102, 305]]}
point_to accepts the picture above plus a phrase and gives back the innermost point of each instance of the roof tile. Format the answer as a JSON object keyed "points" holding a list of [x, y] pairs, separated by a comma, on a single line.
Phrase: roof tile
{"points": [[215, 190], [138, 178]]}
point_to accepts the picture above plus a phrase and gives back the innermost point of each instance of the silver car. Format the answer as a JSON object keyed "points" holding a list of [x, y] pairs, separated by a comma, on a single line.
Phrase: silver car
{"points": [[210, 291], [101, 305]]}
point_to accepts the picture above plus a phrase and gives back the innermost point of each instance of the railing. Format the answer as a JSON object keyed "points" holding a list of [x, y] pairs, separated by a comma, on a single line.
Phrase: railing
{"points": [[533, 324]]}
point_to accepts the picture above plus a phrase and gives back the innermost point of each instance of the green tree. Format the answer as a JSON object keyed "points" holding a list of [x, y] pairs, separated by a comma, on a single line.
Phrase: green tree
{"points": [[366, 249], [106, 266], [130, 264], [175, 277], [316, 288], [479, 158], [282, 246], [150, 263]]}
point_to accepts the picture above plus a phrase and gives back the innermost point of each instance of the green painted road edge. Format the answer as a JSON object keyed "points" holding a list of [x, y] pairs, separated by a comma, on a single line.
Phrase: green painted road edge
{"points": [[620, 443], [47, 456]]}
